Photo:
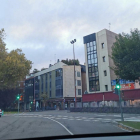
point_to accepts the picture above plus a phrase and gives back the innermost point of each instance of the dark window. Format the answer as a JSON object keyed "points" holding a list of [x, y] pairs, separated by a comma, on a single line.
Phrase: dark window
{"points": [[106, 87], [104, 59], [92, 66], [78, 82], [79, 91], [50, 85], [78, 74], [103, 45], [105, 73], [50, 94]]}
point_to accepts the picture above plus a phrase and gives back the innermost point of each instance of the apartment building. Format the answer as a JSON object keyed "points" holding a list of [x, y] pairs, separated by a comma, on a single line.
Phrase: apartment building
{"points": [[57, 82], [97, 50]]}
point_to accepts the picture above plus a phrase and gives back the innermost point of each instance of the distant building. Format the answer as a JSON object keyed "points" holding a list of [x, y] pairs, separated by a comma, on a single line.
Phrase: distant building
{"points": [[97, 50], [57, 82]]}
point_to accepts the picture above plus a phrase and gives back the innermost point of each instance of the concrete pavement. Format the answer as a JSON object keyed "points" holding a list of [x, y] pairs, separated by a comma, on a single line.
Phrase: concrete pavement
{"points": [[55, 123]]}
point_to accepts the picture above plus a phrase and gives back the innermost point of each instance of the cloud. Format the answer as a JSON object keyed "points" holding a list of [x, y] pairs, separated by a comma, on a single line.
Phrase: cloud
{"points": [[43, 28]]}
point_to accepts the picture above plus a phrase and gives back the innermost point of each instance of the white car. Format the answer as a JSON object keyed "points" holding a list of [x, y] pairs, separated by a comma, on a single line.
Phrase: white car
{"points": [[0, 112]]}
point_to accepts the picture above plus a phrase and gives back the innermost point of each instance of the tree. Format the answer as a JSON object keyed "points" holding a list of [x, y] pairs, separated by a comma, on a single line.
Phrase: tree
{"points": [[43, 69], [71, 62], [35, 70], [44, 99], [13, 65], [7, 97], [126, 55]]}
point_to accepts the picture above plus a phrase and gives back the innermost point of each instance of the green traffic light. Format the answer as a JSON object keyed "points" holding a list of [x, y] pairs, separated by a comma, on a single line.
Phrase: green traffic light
{"points": [[117, 86], [31, 102], [17, 97]]}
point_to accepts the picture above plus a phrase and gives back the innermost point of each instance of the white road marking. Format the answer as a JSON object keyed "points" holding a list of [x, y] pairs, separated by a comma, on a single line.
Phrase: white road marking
{"points": [[95, 120], [78, 119], [86, 120], [57, 118], [61, 125], [91, 118], [70, 119], [64, 118]]}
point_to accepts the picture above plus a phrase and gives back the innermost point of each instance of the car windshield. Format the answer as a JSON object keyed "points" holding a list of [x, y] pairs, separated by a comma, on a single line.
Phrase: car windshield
{"points": [[69, 67]]}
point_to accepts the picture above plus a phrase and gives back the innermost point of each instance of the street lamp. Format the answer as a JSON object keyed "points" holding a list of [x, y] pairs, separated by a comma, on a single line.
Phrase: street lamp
{"points": [[72, 42]]}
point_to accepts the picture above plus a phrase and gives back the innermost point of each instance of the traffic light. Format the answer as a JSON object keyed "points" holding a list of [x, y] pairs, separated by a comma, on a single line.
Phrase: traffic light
{"points": [[31, 102], [18, 97], [117, 84]]}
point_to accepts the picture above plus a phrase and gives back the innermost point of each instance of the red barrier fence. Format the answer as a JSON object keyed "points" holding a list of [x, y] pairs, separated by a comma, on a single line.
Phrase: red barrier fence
{"points": [[110, 96]]}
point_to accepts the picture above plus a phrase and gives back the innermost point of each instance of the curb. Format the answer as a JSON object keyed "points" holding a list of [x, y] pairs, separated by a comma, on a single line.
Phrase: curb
{"points": [[125, 127]]}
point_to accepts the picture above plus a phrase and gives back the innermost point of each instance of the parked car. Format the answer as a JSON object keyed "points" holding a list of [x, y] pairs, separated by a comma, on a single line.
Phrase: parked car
{"points": [[0, 112]]}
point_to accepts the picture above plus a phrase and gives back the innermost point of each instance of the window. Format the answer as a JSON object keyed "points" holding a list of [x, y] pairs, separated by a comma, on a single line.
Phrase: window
{"points": [[106, 87], [79, 91], [103, 45], [78, 82], [104, 59], [90, 44], [78, 74], [50, 94], [105, 73]]}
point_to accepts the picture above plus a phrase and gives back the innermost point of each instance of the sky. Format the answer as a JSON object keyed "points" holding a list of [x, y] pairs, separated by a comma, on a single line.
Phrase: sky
{"points": [[43, 29]]}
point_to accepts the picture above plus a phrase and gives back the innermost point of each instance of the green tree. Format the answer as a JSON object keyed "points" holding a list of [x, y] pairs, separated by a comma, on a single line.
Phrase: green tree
{"points": [[35, 70], [71, 62], [13, 65], [126, 55], [44, 98], [43, 69]]}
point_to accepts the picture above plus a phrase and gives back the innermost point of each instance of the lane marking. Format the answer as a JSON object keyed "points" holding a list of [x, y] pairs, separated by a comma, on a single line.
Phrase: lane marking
{"points": [[61, 125], [86, 120], [70, 119], [78, 119]]}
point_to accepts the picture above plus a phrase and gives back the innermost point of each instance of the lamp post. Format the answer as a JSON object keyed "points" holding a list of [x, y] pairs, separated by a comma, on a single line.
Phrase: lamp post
{"points": [[34, 95], [72, 42]]}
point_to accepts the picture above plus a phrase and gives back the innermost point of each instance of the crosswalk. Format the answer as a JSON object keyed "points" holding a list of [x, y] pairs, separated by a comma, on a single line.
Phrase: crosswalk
{"points": [[96, 118]]}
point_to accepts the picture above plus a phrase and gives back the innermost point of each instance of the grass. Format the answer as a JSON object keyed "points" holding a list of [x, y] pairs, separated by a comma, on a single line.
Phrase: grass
{"points": [[12, 112], [135, 125]]}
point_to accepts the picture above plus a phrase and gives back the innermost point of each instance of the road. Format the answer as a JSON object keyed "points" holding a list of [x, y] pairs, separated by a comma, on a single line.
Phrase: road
{"points": [[55, 123]]}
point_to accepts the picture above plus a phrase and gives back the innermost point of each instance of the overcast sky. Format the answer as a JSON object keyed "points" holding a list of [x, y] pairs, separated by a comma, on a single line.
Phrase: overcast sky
{"points": [[43, 28]]}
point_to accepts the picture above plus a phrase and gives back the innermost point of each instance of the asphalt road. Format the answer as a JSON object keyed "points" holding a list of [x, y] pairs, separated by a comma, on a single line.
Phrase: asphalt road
{"points": [[56, 123]]}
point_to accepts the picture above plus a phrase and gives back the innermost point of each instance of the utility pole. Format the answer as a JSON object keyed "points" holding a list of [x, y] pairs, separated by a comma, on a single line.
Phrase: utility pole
{"points": [[121, 105], [72, 42], [18, 103], [119, 93]]}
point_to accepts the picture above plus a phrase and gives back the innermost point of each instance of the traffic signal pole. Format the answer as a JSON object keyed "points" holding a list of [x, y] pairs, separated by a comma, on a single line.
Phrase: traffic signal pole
{"points": [[120, 101], [18, 104]]}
